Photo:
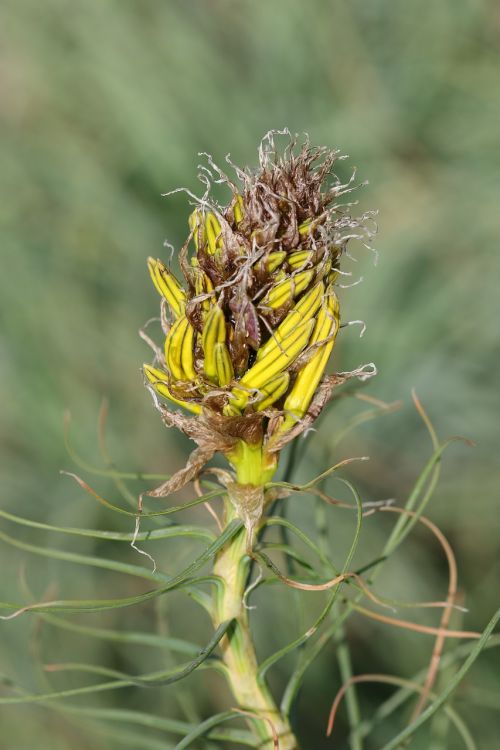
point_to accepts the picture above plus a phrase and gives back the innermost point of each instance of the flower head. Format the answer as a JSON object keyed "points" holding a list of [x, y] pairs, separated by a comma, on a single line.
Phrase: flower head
{"points": [[249, 331]]}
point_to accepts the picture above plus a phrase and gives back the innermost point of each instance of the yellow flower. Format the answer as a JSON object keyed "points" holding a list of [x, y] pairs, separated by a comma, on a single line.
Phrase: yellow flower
{"points": [[253, 324]]}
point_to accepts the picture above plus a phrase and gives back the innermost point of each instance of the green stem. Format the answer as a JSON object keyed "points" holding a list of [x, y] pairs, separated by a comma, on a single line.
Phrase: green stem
{"points": [[253, 465], [238, 650]]}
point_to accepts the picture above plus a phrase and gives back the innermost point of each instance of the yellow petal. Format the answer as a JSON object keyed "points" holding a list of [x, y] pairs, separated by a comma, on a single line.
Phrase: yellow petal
{"points": [[307, 380], [168, 286], [159, 379]]}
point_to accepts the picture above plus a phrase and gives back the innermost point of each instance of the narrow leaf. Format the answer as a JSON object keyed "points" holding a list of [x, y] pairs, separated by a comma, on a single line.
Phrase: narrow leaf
{"points": [[173, 530], [155, 679], [99, 605], [205, 726], [450, 687], [165, 677]]}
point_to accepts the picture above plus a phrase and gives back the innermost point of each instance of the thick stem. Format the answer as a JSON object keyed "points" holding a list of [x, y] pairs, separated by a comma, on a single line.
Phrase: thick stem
{"points": [[253, 464], [238, 650]]}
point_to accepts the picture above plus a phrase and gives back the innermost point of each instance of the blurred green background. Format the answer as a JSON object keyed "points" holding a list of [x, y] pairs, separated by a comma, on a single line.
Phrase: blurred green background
{"points": [[104, 105]]}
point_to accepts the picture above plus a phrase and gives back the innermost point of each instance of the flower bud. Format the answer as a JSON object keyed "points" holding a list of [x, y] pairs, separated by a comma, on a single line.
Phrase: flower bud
{"points": [[255, 323]]}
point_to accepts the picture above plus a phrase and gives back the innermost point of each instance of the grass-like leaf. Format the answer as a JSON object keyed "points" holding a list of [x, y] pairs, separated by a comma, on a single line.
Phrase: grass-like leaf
{"points": [[141, 718], [144, 514], [411, 687], [290, 552], [168, 532], [110, 472], [430, 473], [99, 605], [408, 732], [128, 738], [346, 673], [306, 658], [404, 693], [205, 727], [277, 521], [175, 645], [90, 560], [155, 679]]}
